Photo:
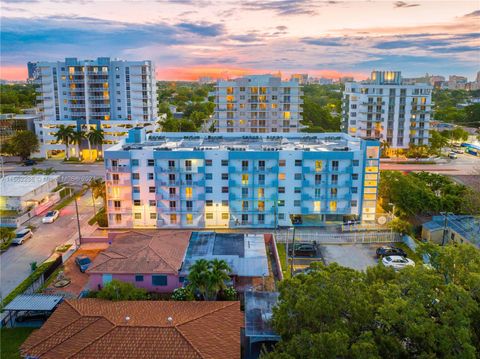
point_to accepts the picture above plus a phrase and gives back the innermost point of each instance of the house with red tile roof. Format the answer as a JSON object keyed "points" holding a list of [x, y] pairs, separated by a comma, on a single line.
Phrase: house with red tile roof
{"points": [[148, 261], [95, 328]]}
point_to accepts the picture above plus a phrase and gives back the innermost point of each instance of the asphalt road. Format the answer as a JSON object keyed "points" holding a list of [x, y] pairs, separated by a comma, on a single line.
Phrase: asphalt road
{"points": [[464, 165], [15, 262]]}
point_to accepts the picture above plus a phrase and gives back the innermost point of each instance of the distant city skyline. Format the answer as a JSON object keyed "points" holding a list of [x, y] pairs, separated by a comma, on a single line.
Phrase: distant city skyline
{"points": [[190, 39]]}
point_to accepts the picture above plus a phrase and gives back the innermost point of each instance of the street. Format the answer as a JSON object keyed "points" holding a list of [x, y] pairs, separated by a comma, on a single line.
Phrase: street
{"points": [[15, 262]]}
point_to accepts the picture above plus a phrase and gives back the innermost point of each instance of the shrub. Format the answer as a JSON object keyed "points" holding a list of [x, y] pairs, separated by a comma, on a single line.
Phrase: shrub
{"points": [[182, 294], [117, 290], [228, 293]]}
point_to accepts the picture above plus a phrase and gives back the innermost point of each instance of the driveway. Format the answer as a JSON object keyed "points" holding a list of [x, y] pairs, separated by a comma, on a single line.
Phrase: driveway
{"points": [[355, 256], [15, 262]]}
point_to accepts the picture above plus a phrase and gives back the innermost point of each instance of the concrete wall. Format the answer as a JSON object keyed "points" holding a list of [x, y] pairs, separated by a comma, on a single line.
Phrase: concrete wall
{"points": [[95, 282]]}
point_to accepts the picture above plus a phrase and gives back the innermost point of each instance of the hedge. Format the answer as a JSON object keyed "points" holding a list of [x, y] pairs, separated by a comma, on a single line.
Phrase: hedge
{"points": [[22, 287]]}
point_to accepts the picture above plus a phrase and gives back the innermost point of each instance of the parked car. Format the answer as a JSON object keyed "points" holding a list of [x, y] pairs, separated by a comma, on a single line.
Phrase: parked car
{"points": [[452, 155], [51, 216], [29, 162], [22, 235], [304, 250], [397, 262], [32, 316], [83, 262], [390, 251]]}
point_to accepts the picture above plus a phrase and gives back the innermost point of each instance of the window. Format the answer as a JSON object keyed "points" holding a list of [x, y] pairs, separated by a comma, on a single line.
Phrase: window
{"points": [[224, 189], [353, 203], [298, 190], [298, 163], [281, 203], [209, 203], [136, 176], [172, 191], [354, 190], [138, 216], [281, 189], [173, 218], [152, 203], [318, 166], [334, 178], [134, 162], [355, 176], [150, 163], [171, 164], [173, 204], [335, 165], [261, 205], [208, 190], [209, 215], [188, 192], [318, 179], [297, 203], [224, 163], [136, 189], [317, 206], [282, 163], [244, 218], [318, 192], [208, 163], [245, 165], [116, 204], [261, 218], [118, 218], [153, 215], [355, 163], [244, 205], [260, 192], [224, 215], [208, 176], [225, 203], [224, 176], [298, 176], [281, 176], [189, 218], [244, 192], [281, 216], [333, 206], [137, 202], [151, 189], [261, 165], [244, 179], [138, 278], [189, 205], [160, 280], [150, 176]]}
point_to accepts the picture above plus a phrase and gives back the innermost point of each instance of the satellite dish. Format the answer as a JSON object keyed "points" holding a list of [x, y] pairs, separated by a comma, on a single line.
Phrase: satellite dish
{"points": [[382, 220]]}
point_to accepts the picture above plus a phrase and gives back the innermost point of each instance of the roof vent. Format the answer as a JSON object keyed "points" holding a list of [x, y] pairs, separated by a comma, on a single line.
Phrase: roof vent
{"points": [[170, 320], [126, 320]]}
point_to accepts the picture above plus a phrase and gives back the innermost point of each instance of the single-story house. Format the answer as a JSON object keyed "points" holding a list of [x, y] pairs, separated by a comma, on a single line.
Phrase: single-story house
{"points": [[456, 228], [245, 254], [94, 328], [152, 262]]}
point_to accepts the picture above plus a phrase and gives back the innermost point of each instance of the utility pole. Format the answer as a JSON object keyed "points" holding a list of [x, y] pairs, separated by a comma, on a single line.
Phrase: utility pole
{"points": [[78, 221], [445, 214]]}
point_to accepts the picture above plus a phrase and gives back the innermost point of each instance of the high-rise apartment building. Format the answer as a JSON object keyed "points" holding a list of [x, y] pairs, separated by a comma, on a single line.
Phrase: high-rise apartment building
{"points": [[229, 180], [258, 104], [386, 108], [113, 95]]}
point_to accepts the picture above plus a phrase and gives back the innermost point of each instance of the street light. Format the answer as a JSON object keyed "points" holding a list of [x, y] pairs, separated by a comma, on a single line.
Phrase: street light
{"points": [[78, 221]]}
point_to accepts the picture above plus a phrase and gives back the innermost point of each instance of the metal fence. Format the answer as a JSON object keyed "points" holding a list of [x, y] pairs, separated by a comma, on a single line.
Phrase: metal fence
{"points": [[338, 238]]}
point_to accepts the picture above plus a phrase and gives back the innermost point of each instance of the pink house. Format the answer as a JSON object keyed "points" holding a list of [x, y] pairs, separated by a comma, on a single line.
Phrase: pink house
{"points": [[149, 261]]}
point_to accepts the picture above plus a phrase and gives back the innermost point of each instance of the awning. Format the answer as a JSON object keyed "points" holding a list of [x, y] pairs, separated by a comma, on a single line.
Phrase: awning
{"points": [[34, 302]]}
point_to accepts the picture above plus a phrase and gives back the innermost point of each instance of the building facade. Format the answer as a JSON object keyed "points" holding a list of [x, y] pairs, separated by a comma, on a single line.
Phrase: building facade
{"points": [[113, 95], [258, 104], [387, 109], [182, 180]]}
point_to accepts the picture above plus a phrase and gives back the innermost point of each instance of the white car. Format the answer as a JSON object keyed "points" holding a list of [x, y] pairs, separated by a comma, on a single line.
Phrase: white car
{"points": [[397, 262], [50, 217], [22, 235]]}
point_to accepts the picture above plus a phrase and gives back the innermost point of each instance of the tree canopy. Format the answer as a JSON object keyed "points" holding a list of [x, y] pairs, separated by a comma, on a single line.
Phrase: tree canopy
{"points": [[22, 143], [418, 312], [14, 98], [117, 290]]}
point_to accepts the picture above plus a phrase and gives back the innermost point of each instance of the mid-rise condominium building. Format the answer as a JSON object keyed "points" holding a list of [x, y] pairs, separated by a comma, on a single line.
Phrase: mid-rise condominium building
{"points": [[228, 180], [258, 104], [386, 108], [113, 95]]}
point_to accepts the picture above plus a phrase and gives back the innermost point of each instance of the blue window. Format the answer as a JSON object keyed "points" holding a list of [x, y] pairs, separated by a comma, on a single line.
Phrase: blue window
{"points": [[208, 176], [355, 162], [136, 189], [355, 176], [134, 162], [354, 190], [138, 278], [208, 189], [181, 279], [159, 280]]}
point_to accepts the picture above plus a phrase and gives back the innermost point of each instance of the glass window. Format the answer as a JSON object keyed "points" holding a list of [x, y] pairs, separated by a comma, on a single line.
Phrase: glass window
{"points": [[189, 218], [160, 280], [138, 216], [136, 176], [208, 190], [298, 162], [138, 278], [318, 166], [173, 218], [209, 203], [208, 162], [224, 215], [225, 203], [137, 202], [153, 215], [281, 176], [150, 176], [298, 176], [134, 162], [188, 192], [152, 203], [209, 215], [150, 163], [208, 176], [282, 163], [224, 176], [281, 189], [224, 189], [224, 162], [151, 189], [281, 203], [297, 203], [298, 190], [333, 206]]}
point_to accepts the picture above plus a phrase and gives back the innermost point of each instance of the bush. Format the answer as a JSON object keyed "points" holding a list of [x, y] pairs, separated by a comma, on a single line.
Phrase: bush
{"points": [[228, 293], [117, 290], [183, 294], [100, 218]]}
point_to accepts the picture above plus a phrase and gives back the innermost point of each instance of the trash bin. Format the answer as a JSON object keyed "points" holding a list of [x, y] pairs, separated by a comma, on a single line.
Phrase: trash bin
{"points": [[33, 266]]}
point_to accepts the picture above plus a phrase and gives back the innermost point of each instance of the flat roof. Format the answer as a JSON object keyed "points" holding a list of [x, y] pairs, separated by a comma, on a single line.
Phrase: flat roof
{"points": [[258, 314], [34, 302], [467, 226], [20, 185], [318, 142], [244, 253]]}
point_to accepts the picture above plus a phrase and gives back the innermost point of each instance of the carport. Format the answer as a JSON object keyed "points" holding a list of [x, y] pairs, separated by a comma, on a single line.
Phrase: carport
{"points": [[30, 304]]}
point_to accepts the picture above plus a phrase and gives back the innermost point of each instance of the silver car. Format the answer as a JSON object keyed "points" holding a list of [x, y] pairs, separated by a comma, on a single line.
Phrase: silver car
{"points": [[22, 235]]}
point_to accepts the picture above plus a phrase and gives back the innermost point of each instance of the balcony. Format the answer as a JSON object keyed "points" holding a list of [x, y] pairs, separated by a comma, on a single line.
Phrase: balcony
{"points": [[120, 169]]}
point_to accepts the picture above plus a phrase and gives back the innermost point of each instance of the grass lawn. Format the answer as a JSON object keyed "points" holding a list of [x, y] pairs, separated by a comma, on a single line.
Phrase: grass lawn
{"points": [[283, 259], [11, 339], [410, 254]]}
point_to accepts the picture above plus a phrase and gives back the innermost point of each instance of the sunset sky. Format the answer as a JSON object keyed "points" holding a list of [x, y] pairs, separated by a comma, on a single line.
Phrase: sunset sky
{"points": [[187, 39]]}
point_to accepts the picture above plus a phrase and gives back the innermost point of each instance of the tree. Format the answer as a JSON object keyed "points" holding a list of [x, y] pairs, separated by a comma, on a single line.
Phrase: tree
{"points": [[117, 290], [64, 135], [336, 312], [198, 277], [22, 143], [76, 139], [6, 236], [384, 147], [208, 277], [97, 186], [219, 274], [95, 137], [438, 141]]}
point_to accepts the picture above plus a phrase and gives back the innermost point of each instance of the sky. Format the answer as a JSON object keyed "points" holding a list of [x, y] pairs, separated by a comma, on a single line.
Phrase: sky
{"points": [[187, 39]]}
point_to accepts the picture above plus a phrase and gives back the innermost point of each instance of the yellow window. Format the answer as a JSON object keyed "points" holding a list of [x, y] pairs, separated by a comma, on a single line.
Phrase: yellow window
{"points": [[318, 166], [370, 183], [353, 130], [274, 105], [333, 206], [286, 115], [224, 215], [230, 90], [241, 122], [261, 192], [370, 196], [316, 206], [71, 70], [370, 190], [105, 85], [253, 89], [230, 98], [371, 169], [371, 176], [105, 94], [189, 218], [373, 152], [72, 86], [281, 176], [261, 205], [188, 192], [244, 179], [106, 117], [173, 218]]}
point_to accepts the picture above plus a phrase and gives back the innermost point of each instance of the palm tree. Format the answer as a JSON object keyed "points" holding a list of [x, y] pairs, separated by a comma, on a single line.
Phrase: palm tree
{"points": [[76, 139], [95, 137], [6, 235], [198, 276], [64, 135], [97, 186], [218, 274], [384, 147]]}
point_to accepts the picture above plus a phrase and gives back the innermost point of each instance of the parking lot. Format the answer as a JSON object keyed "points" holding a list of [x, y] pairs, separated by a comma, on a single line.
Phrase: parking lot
{"points": [[355, 256]]}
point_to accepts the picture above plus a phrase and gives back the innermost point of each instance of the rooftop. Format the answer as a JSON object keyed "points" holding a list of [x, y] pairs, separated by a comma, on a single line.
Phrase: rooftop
{"points": [[466, 226], [133, 252], [258, 314], [94, 328], [34, 302], [319, 142], [20, 185], [245, 253]]}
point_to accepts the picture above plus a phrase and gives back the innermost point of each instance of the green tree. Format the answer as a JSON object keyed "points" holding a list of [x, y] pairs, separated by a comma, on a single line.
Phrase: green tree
{"points": [[22, 143], [95, 137], [384, 147], [117, 290], [198, 277], [438, 141], [336, 312], [64, 135], [98, 189], [208, 277], [6, 236]]}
